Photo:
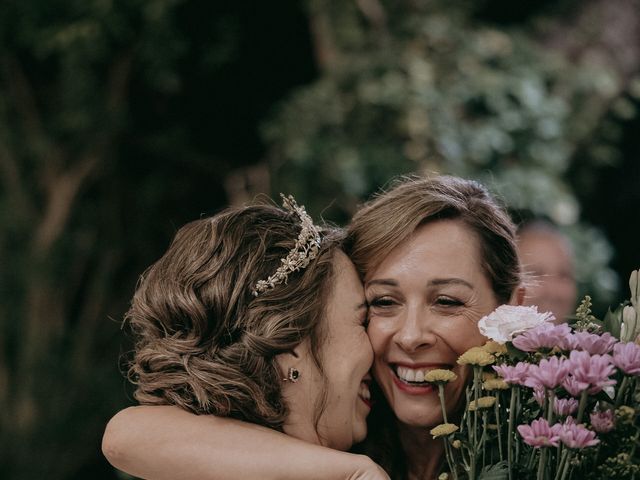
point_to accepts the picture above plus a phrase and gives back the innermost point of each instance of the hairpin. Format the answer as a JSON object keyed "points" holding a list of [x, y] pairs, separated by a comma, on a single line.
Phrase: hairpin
{"points": [[306, 248]]}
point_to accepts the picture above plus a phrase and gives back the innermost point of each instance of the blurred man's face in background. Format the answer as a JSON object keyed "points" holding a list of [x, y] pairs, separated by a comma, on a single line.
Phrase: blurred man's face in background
{"points": [[548, 262]]}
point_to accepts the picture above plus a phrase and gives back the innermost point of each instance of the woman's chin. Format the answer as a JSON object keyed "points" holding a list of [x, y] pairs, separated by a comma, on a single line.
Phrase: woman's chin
{"points": [[419, 420]]}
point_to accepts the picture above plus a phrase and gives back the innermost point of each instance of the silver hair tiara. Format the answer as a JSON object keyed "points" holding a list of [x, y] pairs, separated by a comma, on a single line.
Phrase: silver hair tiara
{"points": [[306, 249]]}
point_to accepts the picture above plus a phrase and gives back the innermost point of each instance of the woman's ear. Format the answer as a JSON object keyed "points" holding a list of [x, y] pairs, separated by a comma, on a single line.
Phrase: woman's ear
{"points": [[517, 298], [295, 360]]}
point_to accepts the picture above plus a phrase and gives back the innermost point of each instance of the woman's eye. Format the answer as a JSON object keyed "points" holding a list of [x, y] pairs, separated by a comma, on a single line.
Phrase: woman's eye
{"points": [[382, 302], [448, 302]]}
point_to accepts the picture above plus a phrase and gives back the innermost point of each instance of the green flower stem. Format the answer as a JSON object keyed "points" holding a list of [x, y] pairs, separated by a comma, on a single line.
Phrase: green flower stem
{"points": [[497, 411], [483, 438], [542, 463], [447, 445], [477, 372], [449, 456], [531, 460], [567, 462], [467, 414], [583, 404], [512, 417], [561, 466], [550, 397], [441, 395], [634, 442], [622, 391]]}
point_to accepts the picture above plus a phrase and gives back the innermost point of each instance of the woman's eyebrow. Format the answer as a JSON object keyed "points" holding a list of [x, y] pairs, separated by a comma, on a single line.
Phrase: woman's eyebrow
{"points": [[449, 281], [382, 281]]}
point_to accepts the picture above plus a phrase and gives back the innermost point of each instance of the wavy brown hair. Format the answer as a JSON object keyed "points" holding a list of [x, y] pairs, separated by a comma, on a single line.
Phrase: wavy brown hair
{"points": [[203, 342], [387, 221]]}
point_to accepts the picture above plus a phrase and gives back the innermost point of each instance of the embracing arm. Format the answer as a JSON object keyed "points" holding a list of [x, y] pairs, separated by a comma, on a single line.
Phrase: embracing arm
{"points": [[166, 442]]}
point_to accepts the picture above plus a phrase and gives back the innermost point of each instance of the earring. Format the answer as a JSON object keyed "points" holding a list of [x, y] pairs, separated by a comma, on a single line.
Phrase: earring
{"points": [[292, 375]]}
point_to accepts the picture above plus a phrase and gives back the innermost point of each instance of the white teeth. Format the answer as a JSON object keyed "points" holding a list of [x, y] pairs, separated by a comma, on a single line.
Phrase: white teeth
{"points": [[407, 374], [364, 391], [410, 374]]}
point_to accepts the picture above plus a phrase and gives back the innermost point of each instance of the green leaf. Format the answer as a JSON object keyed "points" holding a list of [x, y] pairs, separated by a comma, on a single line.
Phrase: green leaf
{"points": [[613, 321], [498, 471]]}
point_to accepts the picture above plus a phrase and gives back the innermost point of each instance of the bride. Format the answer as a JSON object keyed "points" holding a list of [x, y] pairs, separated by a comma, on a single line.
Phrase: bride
{"points": [[436, 254], [256, 314]]}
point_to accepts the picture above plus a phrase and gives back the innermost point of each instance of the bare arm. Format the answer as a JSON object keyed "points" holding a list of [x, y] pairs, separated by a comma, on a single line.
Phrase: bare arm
{"points": [[166, 442]]}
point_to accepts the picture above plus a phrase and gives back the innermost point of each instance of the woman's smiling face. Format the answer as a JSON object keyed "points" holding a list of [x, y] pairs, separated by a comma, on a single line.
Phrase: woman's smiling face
{"points": [[425, 299]]}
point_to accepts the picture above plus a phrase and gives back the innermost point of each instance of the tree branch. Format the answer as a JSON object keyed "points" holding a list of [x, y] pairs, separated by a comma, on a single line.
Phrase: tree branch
{"points": [[13, 184], [61, 193]]}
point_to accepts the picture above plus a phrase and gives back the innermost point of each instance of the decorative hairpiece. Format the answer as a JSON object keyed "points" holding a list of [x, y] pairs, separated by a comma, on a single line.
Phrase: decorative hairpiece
{"points": [[306, 249]]}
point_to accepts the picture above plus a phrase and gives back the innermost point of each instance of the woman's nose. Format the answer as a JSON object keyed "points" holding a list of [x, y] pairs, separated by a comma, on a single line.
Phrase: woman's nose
{"points": [[414, 332]]}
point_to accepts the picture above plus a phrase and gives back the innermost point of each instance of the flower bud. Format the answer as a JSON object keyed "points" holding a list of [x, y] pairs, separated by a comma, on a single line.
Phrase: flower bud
{"points": [[633, 286], [629, 325]]}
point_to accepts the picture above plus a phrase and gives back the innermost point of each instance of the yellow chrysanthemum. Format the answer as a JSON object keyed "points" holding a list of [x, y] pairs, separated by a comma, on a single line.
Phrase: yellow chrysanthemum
{"points": [[488, 376], [495, 384], [443, 476], [625, 414], [483, 402], [495, 348], [443, 430], [476, 356], [456, 444], [440, 376]]}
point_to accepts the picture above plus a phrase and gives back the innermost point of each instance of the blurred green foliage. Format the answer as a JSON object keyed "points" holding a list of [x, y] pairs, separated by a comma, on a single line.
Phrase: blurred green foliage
{"points": [[427, 86], [96, 158]]}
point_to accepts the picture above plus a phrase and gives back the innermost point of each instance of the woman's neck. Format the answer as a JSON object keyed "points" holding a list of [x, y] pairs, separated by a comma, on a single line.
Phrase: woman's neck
{"points": [[424, 453]]}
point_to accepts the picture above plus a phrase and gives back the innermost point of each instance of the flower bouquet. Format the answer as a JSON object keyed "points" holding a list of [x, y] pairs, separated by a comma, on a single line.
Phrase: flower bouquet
{"points": [[546, 401]]}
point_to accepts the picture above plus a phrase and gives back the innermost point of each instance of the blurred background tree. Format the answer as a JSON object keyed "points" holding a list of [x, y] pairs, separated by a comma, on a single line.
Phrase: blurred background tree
{"points": [[529, 102], [121, 120]]}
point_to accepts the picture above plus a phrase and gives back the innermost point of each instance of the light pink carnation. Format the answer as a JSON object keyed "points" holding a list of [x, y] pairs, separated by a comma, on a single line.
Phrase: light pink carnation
{"points": [[507, 320]]}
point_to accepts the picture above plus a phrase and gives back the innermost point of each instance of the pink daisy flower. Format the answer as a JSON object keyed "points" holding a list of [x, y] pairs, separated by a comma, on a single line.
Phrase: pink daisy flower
{"points": [[564, 406], [576, 436], [592, 369], [573, 386], [626, 356], [545, 336], [549, 373], [539, 434], [594, 344], [602, 422], [539, 396], [514, 375]]}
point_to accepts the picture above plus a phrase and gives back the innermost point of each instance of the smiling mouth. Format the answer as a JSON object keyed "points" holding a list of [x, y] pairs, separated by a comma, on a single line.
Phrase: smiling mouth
{"points": [[413, 376], [364, 393]]}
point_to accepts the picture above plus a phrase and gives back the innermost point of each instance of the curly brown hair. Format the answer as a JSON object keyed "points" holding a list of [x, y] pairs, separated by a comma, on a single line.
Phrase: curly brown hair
{"points": [[203, 342]]}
